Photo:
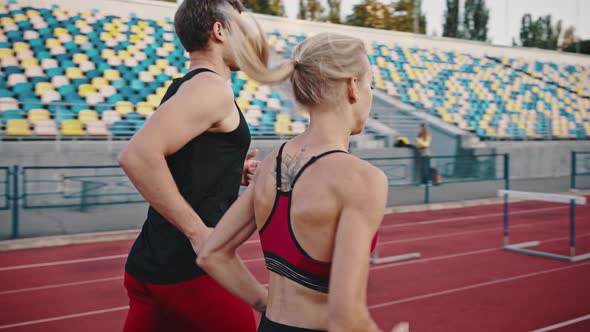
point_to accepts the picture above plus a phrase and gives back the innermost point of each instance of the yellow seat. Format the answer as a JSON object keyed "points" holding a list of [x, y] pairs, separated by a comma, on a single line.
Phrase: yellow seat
{"points": [[242, 76], [135, 38], [43, 87], [74, 72], [7, 21], [154, 100], [169, 47], [243, 103], [29, 62], [72, 128], [124, 55], [80, 39], [52, 42], [132, 49], [112, 74], [18, 128], [79, 58], [87, 116], [6, 53], [20, 17], [85, 89], [144, 108], [99, 82], [162, 63], [81, 24], [37, 115], [60, 31], [154, 70], [124, 107], [142, 24], [108, 53], [20, 46], [32, 13]]}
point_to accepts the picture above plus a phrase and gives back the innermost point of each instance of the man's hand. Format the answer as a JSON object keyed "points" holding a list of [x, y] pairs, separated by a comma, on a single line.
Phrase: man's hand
{"points": [[250, 166], [198, 241]]}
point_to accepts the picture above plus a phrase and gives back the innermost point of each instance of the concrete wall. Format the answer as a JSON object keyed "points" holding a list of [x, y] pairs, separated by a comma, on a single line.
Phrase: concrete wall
{"points": [[540, 158]]}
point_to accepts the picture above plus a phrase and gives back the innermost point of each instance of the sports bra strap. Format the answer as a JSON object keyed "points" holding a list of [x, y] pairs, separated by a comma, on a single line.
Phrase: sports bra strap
{"points": [[279, 166], [313, 160]]}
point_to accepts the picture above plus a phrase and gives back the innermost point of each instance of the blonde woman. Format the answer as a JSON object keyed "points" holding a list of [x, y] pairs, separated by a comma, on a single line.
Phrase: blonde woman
{"points": [[315, 206]]}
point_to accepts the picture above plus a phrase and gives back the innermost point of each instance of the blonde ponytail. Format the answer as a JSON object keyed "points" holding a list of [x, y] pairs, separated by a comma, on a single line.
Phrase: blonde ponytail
{"points": [[251, 49]]}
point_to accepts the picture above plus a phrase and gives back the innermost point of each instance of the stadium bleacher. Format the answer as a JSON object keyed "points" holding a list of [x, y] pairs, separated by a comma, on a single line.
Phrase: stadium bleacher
{"points": [[92, 75], [88, 74]]}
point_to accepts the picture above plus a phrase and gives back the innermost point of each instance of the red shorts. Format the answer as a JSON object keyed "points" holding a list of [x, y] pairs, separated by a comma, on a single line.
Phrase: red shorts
{"points": [[194, 305]]}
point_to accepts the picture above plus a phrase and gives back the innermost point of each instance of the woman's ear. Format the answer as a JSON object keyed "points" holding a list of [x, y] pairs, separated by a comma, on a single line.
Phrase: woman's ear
{"points": [[352, 90], [218, 32]]}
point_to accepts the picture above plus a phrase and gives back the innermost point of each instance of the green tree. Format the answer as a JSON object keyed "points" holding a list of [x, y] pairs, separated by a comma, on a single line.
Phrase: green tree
{"points": [[451, 25], [360, 14], [539, 33], [302, 14], [475, 20], [314, 10], [333, 11], [251, 4], [404, 16], [277, 8]]}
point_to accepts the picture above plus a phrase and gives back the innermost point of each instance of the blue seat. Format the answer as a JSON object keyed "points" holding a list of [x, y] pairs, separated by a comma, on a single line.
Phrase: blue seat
{"points": [[63, 115], [134, 116], [122, 128], [12, 115]]}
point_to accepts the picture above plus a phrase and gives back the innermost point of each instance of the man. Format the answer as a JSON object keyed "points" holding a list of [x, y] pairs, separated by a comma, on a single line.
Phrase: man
{"points": [[187, 162]]}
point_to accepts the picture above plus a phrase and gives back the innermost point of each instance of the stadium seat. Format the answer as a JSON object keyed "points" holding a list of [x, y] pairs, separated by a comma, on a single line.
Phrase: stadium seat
{"points": [[72, 128]]}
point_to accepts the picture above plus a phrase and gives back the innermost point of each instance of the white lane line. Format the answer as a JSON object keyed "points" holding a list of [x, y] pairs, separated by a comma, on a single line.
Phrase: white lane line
{"points": [[53, 319], [483, 284], [562, 324], [66, 284], [72, 261]]}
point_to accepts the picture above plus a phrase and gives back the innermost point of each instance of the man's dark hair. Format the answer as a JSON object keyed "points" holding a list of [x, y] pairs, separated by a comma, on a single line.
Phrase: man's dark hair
{"points": [[194, 20]]}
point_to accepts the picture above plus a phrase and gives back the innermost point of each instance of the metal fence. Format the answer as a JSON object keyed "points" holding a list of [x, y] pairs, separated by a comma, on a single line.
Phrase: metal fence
{"points": [[5, 188], [427, 171], [580, 168], [76, 186], [82, 187]]}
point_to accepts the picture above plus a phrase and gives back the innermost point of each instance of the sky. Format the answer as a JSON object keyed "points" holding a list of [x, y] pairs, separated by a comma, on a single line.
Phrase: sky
{"points": [[505, 15]]}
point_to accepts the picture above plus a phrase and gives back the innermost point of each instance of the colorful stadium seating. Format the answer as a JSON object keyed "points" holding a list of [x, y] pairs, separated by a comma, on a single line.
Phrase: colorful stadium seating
{"points": [[89, 74], [85, 71]]}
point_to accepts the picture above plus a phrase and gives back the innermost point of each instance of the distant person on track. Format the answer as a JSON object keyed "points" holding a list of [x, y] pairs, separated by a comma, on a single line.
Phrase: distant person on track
{"points": [[188, 162], [315, 206]]}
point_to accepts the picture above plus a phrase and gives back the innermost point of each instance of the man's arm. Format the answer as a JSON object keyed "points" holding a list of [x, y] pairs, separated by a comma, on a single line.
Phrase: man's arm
{"points": [[197, 106]]}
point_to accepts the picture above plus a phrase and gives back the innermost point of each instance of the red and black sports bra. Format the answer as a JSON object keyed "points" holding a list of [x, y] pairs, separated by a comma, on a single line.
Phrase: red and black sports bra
{"points": [[282, 253]]}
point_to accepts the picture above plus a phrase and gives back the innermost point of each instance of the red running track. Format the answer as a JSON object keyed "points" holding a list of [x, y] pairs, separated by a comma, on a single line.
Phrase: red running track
{"points": [[464, 281]]}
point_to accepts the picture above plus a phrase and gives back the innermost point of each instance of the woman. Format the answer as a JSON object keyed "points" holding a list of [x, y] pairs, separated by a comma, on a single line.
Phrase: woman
{"points": [[423, 142], [316, 207]]}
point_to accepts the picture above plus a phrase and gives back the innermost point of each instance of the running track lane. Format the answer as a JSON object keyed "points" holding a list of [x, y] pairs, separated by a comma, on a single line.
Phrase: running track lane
{"points": [[458, 267]]}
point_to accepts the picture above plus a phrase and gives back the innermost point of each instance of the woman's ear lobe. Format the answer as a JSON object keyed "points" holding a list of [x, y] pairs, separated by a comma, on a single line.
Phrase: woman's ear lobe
{"points": [[352, 90]]}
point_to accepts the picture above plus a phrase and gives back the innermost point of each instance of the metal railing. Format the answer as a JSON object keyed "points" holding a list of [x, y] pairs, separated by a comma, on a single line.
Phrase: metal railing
{"points": [[82, 187], [76, 186], [580, 167], [440, 170], [5, 177]]}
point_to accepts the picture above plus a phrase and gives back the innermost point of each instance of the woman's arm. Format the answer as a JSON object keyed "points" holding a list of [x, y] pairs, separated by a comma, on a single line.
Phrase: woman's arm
{"points": [[364, 197], [219, 255]]}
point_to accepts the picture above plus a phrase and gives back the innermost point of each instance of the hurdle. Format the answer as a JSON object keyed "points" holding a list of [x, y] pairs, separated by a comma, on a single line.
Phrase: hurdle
{"points": [[553, 198], [376, 259]]}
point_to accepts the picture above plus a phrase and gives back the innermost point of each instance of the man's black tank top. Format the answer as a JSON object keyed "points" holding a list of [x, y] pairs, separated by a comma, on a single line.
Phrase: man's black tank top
{"points": [[207, 172]]}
